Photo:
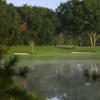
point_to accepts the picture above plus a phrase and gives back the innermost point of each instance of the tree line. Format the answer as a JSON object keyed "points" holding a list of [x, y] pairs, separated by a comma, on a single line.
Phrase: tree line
{"points": [[75, 22]]}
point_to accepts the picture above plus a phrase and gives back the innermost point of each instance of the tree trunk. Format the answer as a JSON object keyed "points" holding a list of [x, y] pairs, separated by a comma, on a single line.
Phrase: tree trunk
{"points": [[70, 40], [91, 42], [80, 40], [94, 41], [90, 39], [94, 37], [60, 39]]}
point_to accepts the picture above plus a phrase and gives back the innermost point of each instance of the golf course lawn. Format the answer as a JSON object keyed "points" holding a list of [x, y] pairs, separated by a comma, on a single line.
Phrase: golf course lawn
{"points": [[55, 53]]}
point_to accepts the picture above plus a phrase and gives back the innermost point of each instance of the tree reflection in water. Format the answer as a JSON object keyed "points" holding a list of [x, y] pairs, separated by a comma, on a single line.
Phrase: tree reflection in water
{"points": [[62, 82]]}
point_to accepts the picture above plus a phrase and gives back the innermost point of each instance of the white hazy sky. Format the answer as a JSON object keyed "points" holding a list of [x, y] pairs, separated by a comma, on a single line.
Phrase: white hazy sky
{"points": [[43, 3]]}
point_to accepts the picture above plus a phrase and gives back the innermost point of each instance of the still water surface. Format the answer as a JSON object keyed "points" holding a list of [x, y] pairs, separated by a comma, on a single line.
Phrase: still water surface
{"points": [[61, 82]]}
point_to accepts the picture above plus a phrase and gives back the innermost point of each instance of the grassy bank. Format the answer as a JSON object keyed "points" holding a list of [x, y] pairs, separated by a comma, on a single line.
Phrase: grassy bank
{"points": [[52, 54], [55, 53]]}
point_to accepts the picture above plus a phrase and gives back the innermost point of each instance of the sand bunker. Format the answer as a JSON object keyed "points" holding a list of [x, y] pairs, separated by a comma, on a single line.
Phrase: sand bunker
{"points": [[81, 52], [22, 53]]}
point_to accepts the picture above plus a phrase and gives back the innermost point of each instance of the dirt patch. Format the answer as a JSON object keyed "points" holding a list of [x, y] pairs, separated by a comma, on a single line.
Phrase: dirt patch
{"points": [[22, 53], [81, 52]]}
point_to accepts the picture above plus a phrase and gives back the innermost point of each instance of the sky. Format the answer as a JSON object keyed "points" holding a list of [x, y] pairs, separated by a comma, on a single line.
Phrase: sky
{"points": [[52, 4]]}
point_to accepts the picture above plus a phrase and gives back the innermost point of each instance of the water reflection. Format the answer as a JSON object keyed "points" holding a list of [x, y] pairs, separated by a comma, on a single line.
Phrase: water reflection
{"points": [[61, 82]]}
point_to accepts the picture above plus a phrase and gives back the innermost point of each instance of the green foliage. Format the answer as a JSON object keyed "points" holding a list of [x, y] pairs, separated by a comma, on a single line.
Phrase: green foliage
{"points": [[4, 22], [9, 23], [67, 47], [71, 16], [91, 10], [15, 21], [78, 21], [41, 24], [78, 17], [8, 90], [55, 40], [3, 50]]}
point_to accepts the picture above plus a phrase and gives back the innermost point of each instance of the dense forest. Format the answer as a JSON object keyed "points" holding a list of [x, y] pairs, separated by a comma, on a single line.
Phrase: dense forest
{"points": [[75, 22]]}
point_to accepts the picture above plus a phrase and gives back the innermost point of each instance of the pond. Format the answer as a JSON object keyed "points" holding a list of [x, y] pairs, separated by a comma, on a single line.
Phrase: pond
{"points": [[61, 81]]}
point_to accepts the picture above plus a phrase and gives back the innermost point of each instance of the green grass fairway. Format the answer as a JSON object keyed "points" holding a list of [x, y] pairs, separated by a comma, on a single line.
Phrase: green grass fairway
{"points": [[55, 53]]}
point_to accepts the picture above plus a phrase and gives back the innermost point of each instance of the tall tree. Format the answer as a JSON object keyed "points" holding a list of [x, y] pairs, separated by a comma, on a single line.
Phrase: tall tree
{"points": [[80, 16], [92, 19], [41, 24], [49, 24], [32, 20], [72, 19], [15, 22], [9, 23], [4, 22]]}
